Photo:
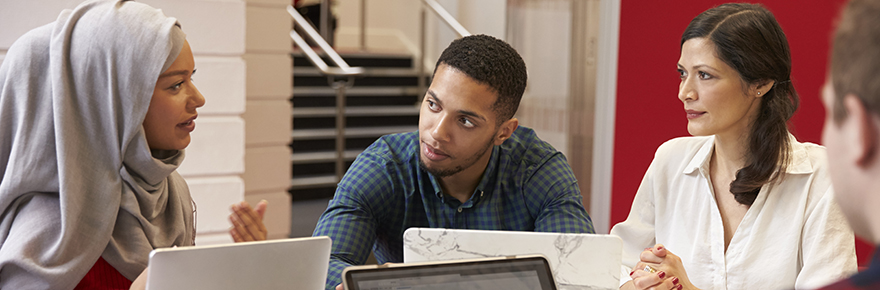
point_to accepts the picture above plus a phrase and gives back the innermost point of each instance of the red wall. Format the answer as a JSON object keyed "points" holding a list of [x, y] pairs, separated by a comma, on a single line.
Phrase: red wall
{"points": [[648, 110]]}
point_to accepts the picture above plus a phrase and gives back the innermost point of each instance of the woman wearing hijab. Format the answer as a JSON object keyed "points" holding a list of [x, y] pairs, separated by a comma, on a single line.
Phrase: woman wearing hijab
{"points": [[742, 204], [96, 109]]}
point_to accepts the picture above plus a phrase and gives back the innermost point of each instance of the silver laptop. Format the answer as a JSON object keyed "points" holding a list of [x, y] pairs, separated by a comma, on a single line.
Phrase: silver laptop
{"points": [[578, 261], [299, 263], [530, 272]]}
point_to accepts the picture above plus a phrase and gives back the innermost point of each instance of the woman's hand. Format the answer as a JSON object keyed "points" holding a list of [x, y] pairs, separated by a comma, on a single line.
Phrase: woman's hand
{"points": [[247, 222], [652, 279], [664, 262]]}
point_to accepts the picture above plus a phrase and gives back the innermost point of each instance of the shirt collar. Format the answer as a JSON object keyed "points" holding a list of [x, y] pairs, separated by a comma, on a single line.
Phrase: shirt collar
{"points": [[799, 162], [701, 159]]}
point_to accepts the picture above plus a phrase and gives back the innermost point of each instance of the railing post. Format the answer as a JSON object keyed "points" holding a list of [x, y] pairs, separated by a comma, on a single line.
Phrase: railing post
{"points": [[325, 19], [420, 66], [363, 25], [339, 86]]}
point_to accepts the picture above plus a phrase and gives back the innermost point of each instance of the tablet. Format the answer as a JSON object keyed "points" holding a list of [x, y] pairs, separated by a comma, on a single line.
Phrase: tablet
{"points": [[299, 263], [497, 273]]}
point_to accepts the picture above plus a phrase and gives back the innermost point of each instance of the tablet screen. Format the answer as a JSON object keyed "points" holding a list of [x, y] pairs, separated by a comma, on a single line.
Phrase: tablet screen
{"points": [[501, 274]]}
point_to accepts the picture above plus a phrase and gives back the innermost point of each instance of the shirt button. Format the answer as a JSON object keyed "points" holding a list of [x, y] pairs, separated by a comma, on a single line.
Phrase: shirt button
{"points": [[481, 193], [459, 209]]}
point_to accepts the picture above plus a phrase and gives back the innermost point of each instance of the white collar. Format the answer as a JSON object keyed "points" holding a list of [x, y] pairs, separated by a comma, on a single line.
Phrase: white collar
{"points": [[799, 162]]}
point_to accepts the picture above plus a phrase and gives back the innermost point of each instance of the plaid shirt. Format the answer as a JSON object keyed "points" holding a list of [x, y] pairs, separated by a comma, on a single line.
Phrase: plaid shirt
{"points": [[527, 186]]}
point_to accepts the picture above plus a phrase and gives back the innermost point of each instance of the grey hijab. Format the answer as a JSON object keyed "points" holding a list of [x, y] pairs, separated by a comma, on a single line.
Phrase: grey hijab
{"points": [[77, 179]]}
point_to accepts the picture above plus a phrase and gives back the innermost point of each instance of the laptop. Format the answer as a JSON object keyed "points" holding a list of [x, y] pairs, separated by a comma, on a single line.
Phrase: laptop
{"points": [[528, 272], [578, 261], [299, 263]]}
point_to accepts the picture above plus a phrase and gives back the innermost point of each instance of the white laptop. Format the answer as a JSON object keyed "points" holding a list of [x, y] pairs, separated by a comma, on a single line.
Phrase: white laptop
{"points": [[529, 272], [578, 261], [299, 263]]}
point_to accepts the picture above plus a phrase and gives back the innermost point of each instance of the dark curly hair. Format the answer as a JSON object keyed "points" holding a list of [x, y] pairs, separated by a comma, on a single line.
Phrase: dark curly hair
{"points": [[748, 38], [492, 62]]}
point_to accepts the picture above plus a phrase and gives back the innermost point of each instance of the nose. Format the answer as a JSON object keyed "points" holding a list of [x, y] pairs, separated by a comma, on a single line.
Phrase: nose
{"points": [[196, 100], [686, 91], [440, 132]]}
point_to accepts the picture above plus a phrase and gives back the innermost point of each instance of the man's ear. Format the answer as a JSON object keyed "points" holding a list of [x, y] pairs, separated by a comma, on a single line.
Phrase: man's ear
{"points": [[505, 130], [863, 131]]}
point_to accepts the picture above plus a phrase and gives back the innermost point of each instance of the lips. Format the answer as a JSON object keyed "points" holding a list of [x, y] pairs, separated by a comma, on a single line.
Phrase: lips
{"points": [[692, 114], [433, 154], [189, 125]]}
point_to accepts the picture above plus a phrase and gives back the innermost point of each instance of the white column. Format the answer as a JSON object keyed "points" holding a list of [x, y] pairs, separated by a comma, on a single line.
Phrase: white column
{"points": [[268, 118]]}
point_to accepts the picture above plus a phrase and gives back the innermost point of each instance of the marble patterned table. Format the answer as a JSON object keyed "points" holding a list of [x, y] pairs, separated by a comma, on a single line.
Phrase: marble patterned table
{"points": [[578, 261]]}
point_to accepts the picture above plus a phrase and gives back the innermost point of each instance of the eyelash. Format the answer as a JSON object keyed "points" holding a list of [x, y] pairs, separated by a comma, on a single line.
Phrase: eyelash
{"points": [[467, 123], [703, 75], [464, 121], [176, 86]]}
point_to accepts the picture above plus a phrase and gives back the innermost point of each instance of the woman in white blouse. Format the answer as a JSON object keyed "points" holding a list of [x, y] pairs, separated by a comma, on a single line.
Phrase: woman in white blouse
{"points": [[743, 204]]}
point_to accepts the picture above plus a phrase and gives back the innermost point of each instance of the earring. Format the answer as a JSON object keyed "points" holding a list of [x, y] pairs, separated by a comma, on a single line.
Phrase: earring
{"points": [[759, 93]]}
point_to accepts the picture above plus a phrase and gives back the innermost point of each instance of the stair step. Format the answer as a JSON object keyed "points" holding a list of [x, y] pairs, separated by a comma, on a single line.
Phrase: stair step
{"points": [[357, 111], [350, 132], [363, 81], [327, 91], [371, 72], [313, 157], [359, 59], [312, 181]]}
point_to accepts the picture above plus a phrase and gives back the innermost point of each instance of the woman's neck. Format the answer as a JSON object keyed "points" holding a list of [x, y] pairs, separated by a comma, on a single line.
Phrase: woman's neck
{"points": [[729, 155]]}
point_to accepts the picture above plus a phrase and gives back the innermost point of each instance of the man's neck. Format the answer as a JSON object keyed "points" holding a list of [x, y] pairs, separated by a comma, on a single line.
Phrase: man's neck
{"points": [[461, 185]]}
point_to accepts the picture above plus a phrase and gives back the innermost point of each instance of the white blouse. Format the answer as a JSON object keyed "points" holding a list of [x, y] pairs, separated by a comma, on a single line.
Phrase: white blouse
{"points": [[793, 236]]}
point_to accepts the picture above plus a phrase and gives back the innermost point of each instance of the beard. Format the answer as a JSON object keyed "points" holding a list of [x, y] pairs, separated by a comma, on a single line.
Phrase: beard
{"points": [[466, 163]]}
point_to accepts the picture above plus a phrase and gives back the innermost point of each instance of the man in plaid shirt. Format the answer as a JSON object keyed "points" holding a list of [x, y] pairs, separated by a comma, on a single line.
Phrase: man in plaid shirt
{"points": [[470, 166]]}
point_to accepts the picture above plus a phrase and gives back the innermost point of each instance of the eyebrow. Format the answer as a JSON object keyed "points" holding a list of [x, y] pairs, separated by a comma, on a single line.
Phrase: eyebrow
{"points": [[175, 73], [698, 66], [464, 112]]}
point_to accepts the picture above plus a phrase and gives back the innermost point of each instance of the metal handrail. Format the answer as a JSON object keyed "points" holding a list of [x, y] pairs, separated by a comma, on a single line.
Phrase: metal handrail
{"points": [[449, 20], [341, 70]]}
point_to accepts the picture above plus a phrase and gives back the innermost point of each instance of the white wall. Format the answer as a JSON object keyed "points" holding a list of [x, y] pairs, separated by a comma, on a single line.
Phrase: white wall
{"points": [[214, 168], [541, 33]]}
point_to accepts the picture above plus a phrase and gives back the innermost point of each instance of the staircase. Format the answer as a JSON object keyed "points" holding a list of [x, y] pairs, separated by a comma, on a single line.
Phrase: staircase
{"points": [[382, 101]]}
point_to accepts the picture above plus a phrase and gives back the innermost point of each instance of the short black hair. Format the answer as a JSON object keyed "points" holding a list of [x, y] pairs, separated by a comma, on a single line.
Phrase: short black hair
{"points": [[492, 62]]}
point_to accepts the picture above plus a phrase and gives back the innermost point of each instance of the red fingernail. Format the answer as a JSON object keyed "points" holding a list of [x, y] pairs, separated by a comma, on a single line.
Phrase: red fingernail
{"points": [[674, 280], [661, 274], [631, 273], [678, 287], [659, 248]]}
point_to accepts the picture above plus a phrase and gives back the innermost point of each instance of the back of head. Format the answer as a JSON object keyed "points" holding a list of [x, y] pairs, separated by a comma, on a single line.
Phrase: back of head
{"points": [[855, 56], [748, 38], [492, 62]]}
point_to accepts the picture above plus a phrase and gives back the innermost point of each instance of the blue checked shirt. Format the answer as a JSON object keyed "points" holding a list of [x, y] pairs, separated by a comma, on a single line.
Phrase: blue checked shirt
{"points": [[527, 186]]}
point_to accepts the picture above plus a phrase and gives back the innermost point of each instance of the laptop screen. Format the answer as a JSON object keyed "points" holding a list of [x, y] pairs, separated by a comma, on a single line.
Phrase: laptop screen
{"points": [[525, 273]]}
